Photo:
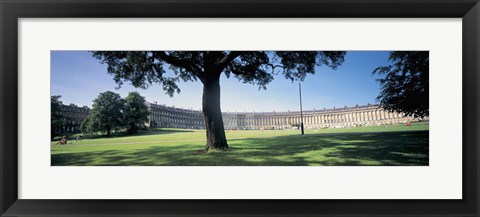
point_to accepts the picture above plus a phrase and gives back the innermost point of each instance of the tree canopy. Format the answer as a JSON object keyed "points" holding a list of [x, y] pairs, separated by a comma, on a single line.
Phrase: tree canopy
{"points": [[143, 68], [404, 87], [57, 119], [106, 114], [135, 113]]}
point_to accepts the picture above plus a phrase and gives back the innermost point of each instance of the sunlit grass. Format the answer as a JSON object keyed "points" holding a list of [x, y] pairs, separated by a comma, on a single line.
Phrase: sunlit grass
{"points": [[392, 145]]}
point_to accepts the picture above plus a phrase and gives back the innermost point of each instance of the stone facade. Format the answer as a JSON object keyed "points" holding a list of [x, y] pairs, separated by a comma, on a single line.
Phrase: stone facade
{"points": [[171, 117], [367, 115], [166, 116], [76, 115]]}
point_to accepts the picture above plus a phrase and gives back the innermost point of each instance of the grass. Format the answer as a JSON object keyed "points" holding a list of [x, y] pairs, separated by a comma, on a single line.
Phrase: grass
{"points": [[380, 145]]}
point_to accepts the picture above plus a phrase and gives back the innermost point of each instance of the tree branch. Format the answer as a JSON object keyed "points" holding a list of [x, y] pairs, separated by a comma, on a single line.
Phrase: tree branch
{"points": [[227, 59], [272, 67], [181, 64]]}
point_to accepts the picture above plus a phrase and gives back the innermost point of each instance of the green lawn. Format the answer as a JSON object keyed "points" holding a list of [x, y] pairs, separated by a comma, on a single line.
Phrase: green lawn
{"points": [[392, 145]]}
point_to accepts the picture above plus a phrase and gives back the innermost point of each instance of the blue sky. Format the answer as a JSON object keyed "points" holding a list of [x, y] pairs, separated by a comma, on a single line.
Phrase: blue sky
{"points": [[79, 78]]}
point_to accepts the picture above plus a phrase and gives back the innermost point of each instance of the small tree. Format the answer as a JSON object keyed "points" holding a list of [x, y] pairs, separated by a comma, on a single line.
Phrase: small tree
{"points": [[106, 114], [57, 119], [405, 85], [135, 113], [88, 127]]}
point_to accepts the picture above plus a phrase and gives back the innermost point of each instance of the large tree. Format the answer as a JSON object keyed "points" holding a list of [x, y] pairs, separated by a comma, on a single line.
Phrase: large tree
{"points": [[404, 85], [143, 68], [106, 114], [135, 113]]}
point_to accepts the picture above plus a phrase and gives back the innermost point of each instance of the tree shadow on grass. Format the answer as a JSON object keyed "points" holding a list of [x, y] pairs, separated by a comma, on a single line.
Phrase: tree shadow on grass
{"points": [[164, 156], [390, 149], [348, 149], [156, 131], [343, 149]]}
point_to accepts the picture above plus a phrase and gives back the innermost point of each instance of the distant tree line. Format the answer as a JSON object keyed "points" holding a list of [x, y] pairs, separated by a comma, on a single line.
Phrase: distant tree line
{"points": [[110, 112], [57, 118]]}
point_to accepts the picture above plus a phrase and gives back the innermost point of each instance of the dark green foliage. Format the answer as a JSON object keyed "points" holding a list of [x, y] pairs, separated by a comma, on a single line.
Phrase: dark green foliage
{"points": [[106, 114], [111, 112], [144, 68], [135, 113], [296, 65], [405, 85], [88, 126], [56, 116], [57, 119]]}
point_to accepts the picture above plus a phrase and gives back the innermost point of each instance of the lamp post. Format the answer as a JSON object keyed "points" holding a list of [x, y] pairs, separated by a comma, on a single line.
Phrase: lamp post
{"points": [[301, 112]]}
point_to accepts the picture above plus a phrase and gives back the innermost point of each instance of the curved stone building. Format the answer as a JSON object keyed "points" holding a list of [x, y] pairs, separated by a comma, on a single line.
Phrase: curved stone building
{"points": [[75, 115], [367, 115]]}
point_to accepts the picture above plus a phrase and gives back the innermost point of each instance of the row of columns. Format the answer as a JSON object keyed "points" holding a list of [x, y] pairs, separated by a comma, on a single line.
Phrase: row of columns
{"points": [[161, 118], [316, 119], [165, 118]]}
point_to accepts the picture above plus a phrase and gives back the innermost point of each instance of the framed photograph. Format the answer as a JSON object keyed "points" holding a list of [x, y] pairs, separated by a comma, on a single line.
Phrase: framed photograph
{"points": [[252, 108]]}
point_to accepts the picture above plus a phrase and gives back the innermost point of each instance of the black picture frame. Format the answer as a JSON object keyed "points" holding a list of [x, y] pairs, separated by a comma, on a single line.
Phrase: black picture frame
{"points": [[12, 10]]}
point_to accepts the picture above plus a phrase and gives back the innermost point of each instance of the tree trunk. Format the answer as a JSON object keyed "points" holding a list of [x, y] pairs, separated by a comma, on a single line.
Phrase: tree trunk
{"points": [[213, 115]]}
